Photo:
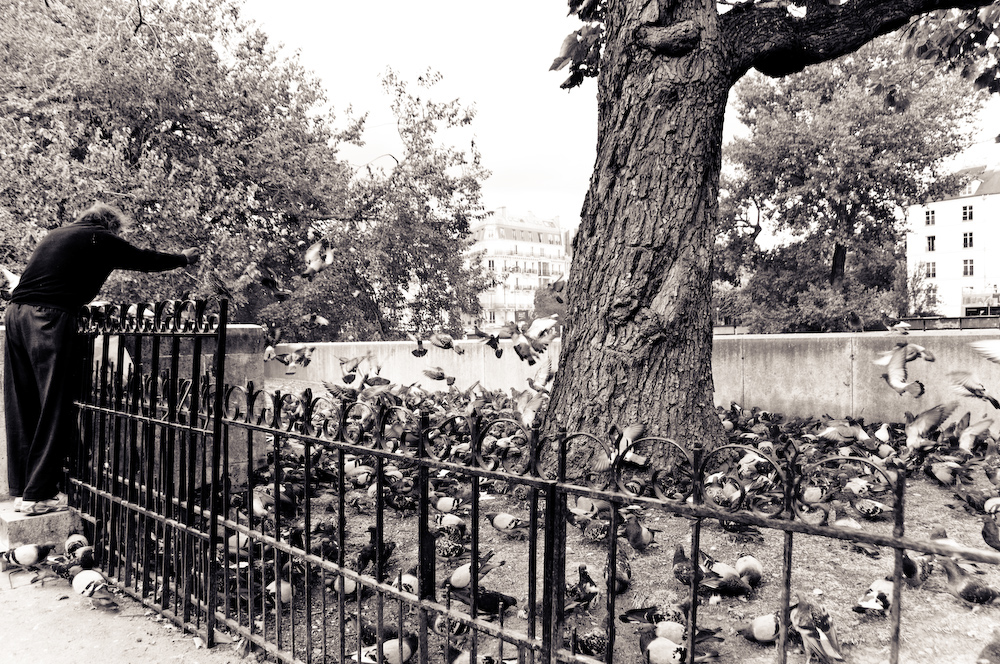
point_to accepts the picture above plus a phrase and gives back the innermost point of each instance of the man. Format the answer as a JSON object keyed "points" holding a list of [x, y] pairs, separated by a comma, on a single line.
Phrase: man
{"points": [[65, 272]]}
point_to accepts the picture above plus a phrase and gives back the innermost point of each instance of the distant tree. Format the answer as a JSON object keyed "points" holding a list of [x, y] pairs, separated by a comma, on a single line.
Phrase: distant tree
{"points": [[836, 153], [789, 291], [185, 117], [547, 304]]}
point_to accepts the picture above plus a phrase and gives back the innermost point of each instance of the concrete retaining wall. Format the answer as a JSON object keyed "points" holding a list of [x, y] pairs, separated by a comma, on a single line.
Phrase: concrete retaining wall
{"points": [[810, 375], [799, 375]]}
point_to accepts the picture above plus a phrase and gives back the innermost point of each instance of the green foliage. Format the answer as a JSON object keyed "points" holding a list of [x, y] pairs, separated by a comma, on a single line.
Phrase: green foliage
{"points": [[184, 116], [966, 41], [833, 157], [842, 148], [547, 304], [789, 292]]}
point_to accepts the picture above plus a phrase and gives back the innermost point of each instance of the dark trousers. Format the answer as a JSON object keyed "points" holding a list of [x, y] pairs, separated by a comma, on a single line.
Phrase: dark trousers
{"points": [[40, 362]]}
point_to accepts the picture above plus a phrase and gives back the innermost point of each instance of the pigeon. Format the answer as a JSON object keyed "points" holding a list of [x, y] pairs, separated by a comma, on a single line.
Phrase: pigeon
{"points": [[437, 373], [583, 593], [558, 287], [318, 257], [593, 643], [973, 433], [396, 650], [749, 569], [462, 576], [991, 534], [594, 530], [762, 629], [878, 597], [895, 375], [646, 614], [989, 349], [965, 587], [491, 340], [683, 567], [369, 551], [26, 556], [964, 384], [489, 602], [815, 626], [926, 423], [916, 570], [723, 579], [280, 591], [508, 524], [638, 535], [419, 351], [445, 341]]}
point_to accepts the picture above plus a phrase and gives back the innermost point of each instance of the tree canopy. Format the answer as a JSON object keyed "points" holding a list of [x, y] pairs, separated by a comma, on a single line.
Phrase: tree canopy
{"points": [[832, 158], [185, 116]]}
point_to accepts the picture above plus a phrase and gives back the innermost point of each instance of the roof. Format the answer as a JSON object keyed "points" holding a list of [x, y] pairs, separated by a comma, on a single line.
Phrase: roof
{"points": [[989, 179]]}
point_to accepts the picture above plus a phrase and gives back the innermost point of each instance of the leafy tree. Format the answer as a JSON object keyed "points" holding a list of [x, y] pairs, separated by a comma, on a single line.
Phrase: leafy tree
{"points": [[185, 117], [640, 301], [837, 152], [789, 291], [400, 259], [547, 303], [180, 114]]}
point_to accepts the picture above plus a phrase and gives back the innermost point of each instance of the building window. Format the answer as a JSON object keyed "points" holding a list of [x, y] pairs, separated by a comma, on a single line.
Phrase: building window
{"points": [[966, 213], [930, 243], [967, 267], [928, 217], [967, 240], [501, 232], [491, 265], [930, 270], [491, 316]]}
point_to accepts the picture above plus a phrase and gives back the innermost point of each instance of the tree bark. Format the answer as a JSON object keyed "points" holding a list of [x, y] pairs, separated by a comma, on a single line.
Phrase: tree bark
{"points": [[837, 266], [640, 340]]}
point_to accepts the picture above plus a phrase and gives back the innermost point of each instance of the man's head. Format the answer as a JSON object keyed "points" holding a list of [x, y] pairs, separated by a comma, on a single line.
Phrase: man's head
{"points": [[104, 215]]}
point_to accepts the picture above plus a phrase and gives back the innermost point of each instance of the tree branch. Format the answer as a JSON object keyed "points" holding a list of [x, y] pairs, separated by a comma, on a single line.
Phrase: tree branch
{"points": [[776, 43], [671, 40]]}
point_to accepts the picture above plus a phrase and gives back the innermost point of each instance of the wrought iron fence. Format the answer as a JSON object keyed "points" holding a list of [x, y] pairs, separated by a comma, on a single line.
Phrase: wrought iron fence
{"points": [[374, 525]]}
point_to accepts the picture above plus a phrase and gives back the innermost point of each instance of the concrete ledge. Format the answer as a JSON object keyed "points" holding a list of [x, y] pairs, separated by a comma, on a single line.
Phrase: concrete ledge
{"points": [[17, 529]]}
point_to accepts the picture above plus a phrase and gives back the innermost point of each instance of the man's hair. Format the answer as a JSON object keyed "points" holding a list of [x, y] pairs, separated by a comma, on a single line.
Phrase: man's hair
{"points": [[106, 215]]}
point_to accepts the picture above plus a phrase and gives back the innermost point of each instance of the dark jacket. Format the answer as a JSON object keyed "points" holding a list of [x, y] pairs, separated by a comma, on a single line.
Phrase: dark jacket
{"points": [[70, 265]]}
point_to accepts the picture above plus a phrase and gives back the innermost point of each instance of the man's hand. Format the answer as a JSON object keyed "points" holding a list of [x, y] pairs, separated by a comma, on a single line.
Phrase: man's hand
{"points": [[192, 254]]}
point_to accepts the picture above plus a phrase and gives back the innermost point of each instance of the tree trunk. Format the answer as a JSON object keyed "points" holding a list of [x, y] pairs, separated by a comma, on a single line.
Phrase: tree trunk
{"points": [[639, 346], [837, 268]]}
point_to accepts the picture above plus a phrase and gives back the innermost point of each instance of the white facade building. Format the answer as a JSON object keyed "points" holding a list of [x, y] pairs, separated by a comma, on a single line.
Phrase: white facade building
{"points": [[524, 253], [953, 243]]}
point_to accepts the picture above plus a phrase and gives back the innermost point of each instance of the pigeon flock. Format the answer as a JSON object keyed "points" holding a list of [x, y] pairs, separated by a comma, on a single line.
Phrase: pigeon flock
{"points": [[944, 455], [75, 564], [940, 446]]}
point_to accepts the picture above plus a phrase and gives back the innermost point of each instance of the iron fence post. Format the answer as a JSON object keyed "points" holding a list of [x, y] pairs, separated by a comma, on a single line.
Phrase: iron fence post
{"points": [[212, 571]]}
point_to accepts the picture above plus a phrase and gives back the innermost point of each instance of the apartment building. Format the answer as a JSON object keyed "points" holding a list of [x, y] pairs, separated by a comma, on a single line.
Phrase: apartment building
{"points": [[524, 253], [953, 243]]}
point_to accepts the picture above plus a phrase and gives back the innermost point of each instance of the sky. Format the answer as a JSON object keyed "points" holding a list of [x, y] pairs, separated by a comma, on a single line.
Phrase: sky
{"points": [[538, 140]]}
